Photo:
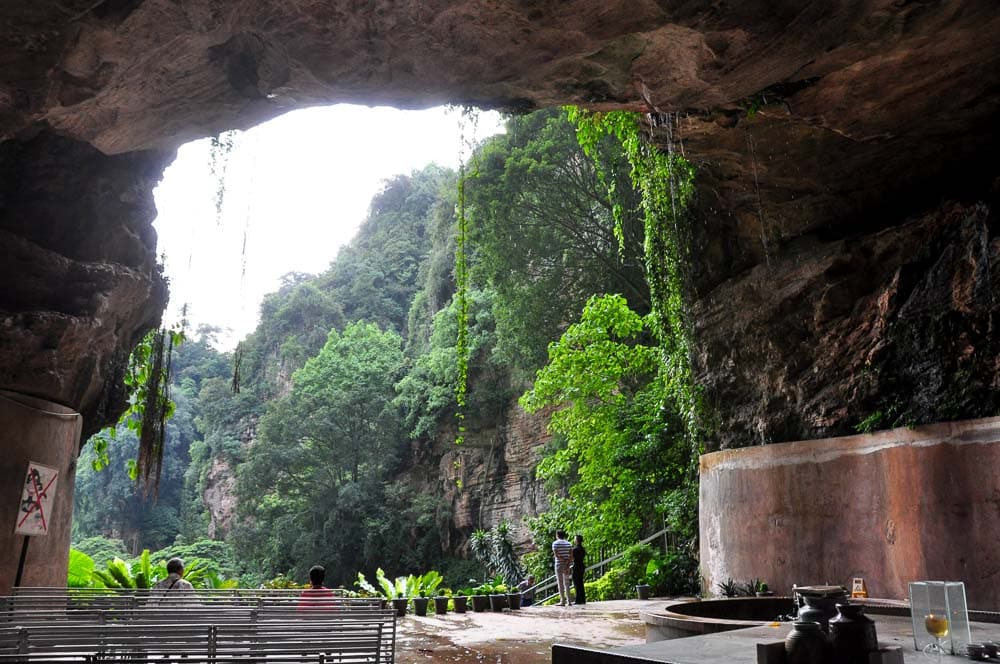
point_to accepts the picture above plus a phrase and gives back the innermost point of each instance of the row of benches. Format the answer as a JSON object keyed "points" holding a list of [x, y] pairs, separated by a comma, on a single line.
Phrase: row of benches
{"points": [[130, 627], [358, 641]]}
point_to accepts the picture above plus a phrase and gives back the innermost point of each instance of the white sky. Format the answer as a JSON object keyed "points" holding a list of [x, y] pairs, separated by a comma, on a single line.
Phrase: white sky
{"points": [[298, 186]]}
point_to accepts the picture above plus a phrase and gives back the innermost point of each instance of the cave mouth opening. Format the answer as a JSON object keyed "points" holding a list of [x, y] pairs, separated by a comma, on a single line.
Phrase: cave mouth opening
{"points": [[239, 213]]}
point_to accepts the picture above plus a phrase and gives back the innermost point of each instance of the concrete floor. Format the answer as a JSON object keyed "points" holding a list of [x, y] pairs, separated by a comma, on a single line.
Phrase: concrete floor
{"points": [[524, 636]]}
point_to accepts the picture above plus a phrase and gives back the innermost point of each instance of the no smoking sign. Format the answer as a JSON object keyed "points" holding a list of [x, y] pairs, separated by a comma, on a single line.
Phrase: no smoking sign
{"points": [[34, 512]]}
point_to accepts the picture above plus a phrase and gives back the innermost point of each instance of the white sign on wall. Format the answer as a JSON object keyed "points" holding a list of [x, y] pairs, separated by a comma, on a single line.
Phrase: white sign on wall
{"points": [[34, 512]]}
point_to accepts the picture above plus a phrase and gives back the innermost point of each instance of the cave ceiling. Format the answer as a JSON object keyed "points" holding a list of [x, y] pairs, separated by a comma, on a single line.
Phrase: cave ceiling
{"points": [[809, 123]]}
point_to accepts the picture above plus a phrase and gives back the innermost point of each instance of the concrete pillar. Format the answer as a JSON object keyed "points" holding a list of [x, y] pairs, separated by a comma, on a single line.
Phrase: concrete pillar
{"points": [[892, 507], [49, 434]]}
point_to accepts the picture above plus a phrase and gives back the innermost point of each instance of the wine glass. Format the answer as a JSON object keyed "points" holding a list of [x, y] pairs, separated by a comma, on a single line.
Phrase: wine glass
{"points": [[936, 626]]}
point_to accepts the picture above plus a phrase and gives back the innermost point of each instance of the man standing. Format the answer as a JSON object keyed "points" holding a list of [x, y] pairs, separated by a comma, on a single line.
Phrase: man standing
{"points": [[579, 566], [562, 551]]}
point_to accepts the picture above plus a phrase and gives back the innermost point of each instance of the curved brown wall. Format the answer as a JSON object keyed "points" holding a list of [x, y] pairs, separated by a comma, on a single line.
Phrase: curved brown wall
{"points": [[892, 507], [49, 434]]}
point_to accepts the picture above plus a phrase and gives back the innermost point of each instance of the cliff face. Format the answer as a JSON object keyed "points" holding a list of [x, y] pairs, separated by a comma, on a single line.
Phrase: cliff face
{"points": [[829, 280], [488, 479]]}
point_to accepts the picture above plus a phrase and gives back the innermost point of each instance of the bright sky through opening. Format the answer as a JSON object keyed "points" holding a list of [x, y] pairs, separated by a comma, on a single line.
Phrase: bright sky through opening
{"points": [[297, 187]]}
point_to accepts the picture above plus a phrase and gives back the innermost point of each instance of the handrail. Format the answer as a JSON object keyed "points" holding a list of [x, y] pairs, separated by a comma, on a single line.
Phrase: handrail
{"points": [[550, 582]]}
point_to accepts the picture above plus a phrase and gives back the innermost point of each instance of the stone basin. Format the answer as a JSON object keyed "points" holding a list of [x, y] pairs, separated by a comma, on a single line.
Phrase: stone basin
{"points": [[687, 617]]}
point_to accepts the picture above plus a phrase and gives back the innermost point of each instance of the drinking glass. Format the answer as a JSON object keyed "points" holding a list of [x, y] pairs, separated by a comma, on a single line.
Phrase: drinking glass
{"points": [[936, 626]]}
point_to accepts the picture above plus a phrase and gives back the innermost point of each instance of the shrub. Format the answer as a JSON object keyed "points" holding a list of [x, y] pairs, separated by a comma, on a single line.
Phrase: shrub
{"points": [[673, 573]]}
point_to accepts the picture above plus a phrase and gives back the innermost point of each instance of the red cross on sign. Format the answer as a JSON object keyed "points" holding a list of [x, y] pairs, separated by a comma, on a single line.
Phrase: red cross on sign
{"points": [[34, 512]]}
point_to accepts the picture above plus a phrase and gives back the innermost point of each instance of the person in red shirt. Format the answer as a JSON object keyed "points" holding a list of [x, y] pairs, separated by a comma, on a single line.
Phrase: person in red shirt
{"points": [[317, 596]]}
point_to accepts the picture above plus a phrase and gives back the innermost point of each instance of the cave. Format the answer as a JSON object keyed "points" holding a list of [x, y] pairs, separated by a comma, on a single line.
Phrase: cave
{"points": [[842, 237]]}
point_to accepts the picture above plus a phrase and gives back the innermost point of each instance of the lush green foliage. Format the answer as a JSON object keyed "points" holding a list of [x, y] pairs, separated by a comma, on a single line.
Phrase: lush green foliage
{"points": [[670, 574], [495, 551], [666, 181], [423, 585], [102, 549], [543, 232], [143, 572], [322, 448], [619, 450], [427, 392], [108, 502], [354, 375]]}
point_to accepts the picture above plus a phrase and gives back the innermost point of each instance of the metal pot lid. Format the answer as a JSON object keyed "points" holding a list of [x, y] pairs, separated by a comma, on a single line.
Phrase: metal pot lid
{"points": [[821, 591]]}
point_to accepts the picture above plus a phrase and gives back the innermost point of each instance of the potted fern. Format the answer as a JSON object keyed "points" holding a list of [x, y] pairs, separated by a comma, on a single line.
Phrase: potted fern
{"points": [[397, 592]]}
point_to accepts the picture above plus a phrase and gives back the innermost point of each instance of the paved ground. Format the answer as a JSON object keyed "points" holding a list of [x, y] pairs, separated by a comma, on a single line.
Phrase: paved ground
{"points": [[524, 636]]}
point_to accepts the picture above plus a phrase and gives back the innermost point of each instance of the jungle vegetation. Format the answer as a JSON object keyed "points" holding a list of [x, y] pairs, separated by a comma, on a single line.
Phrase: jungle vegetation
{"points": [[349, 380]]}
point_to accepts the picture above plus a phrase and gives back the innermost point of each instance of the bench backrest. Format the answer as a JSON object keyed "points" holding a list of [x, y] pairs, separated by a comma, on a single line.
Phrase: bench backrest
{"points": [[345, 640], [65, 625]]}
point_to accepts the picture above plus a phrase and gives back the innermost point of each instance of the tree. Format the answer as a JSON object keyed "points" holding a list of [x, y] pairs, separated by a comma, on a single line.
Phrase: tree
{"points": [[322, 450], [427, 392], [622, 448], [543, 232]]}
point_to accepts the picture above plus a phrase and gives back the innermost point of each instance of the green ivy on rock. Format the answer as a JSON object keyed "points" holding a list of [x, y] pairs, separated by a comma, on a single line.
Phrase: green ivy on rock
{"points": [[666, 181]]}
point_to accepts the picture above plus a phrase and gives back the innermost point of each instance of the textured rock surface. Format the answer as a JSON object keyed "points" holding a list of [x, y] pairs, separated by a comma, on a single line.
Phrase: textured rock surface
{"points": [[895, 327], [872, 112], [220, 498], [488, 479], [129, 74], [80, 284]]}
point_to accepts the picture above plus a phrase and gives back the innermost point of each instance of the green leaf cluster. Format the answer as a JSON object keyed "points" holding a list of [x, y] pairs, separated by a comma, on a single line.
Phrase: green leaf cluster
{"points": [[495, 551], [424, 585], [619, 449]]}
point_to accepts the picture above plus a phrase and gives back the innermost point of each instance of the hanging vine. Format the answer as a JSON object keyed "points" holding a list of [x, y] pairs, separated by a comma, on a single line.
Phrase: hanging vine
{"points": [[469, 116], [147, 384], [666, 182], [220, 149]]}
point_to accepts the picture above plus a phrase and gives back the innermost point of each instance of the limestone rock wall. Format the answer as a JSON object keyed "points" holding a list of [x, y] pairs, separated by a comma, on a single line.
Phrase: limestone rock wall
{"points": [[867, 332], [77, 264], [219, 496], [488, 479]]}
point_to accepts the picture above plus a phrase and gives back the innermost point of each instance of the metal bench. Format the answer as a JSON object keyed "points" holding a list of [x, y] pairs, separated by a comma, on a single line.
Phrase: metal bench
{"points": [[55, 623], [355, 641]]}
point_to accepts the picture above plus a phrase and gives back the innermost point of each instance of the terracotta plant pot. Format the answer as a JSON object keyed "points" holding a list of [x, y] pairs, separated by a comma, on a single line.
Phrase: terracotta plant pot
{"points": [[440, 605], [480, 603], [461, 603]]}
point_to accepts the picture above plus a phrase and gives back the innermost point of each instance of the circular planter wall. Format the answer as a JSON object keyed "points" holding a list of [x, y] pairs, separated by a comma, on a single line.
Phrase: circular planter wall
{"points": [[49, 434], [892, 507]]}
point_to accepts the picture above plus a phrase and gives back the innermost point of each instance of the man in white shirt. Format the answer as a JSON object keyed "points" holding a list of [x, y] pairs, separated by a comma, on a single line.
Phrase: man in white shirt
{"points": [[562, 551]]}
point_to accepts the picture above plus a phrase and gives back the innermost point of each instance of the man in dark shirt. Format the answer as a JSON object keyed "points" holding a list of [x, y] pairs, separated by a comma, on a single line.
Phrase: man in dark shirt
{"points": [[579, 565]]}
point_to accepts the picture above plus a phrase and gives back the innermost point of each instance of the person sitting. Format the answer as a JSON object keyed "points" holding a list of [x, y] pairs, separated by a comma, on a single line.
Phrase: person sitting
{"points": [[527, 590], [173, 586], [316, 596]]}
